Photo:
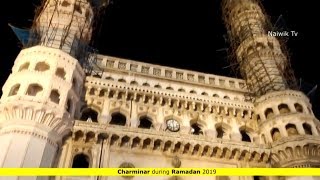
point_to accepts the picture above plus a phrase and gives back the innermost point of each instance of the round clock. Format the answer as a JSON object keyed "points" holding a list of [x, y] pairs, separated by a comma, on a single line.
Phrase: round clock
{"points": [[173, 125]]}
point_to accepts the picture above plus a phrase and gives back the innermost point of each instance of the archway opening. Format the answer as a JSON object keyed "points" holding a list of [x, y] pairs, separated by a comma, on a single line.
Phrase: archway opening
{"points": [[34, 89], [89, 113], [14, 90], [196, 129], [145, 122], [118, 119], [307, 129], [275, 134], [80, 161], [291, 129], [220, 132], [244, 136]]}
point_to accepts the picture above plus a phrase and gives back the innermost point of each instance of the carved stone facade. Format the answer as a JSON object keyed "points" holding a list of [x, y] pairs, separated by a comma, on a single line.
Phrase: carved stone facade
{"points": [[144, 115]]}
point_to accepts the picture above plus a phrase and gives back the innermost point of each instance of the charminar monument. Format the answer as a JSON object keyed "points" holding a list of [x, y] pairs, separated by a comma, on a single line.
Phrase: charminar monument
{"points": [[66, 106]]}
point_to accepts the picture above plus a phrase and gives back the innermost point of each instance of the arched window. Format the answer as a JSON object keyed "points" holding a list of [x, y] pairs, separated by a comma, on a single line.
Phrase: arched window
{"points": [[89, 113], [109, 78], [269, 113], [80, 161], [275, 134], [42, 66], [283, 109], [25, 66], [291, 129], [196, 129], [145, 122], [307, 128], [220, 132], [61, 73], [226, 97], [245, 136], [14, 90], [55, 96], [215, 95], [146, 84], [122, 80], [134, 83], [169, 88], [118, 119], [181, 90], [193, 92], [298, 107], [92, 91], [204, 94], [34, 89], [157, 86]]}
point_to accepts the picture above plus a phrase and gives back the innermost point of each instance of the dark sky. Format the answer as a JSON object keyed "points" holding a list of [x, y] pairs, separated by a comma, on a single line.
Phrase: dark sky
{"points": [[180, 33]]}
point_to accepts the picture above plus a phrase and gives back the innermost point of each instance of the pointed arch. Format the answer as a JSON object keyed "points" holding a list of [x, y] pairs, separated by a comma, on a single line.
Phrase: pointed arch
{"points": [[145, 122], [268, 113], [118, 118], [222, 129], [291, 129], [244, 136], [283, 108], [146, 84], [55, 96], [89, 113], [307, 128], [42, 66], [60, 72], [24, 66], [81, 161], [196, 129], [275, 134], [34, 89], [298, 107], [14, 90]]}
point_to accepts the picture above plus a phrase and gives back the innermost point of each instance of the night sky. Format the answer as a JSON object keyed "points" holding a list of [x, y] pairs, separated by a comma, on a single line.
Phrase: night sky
{"points": [[185, 34]]}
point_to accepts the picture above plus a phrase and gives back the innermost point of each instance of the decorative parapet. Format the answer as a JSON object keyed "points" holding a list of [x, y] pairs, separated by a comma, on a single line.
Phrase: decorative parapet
{"points": [[163, 72], [56, 122], [99, 84], [296, 151]]}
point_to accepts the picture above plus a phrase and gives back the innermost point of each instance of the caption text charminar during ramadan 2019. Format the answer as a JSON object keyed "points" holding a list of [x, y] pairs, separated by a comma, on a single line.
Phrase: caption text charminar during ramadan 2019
{"points": [[159, 172]]}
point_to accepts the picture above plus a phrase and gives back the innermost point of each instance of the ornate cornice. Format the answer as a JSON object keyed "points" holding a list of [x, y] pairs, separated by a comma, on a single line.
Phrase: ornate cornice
{"points": [[296, 151], [54, 121], [163, 142]]}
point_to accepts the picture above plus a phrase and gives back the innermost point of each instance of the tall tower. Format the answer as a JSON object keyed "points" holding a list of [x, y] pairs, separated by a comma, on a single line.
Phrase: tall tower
{"points": [[284, 116], [41, 95], [260, 57]]}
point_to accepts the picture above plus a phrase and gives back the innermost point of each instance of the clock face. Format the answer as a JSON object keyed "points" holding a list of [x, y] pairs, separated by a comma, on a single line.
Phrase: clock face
{"points": [[173, 125]]}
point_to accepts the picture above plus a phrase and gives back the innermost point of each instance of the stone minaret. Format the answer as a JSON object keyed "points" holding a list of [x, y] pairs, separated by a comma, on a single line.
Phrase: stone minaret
{"points": [[284, 116], [41, 95], [260, 57]]}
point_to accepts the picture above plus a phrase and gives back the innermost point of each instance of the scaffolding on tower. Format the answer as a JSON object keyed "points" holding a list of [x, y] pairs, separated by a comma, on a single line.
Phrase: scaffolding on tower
{"points": [[259, 75], [71, 37]]}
